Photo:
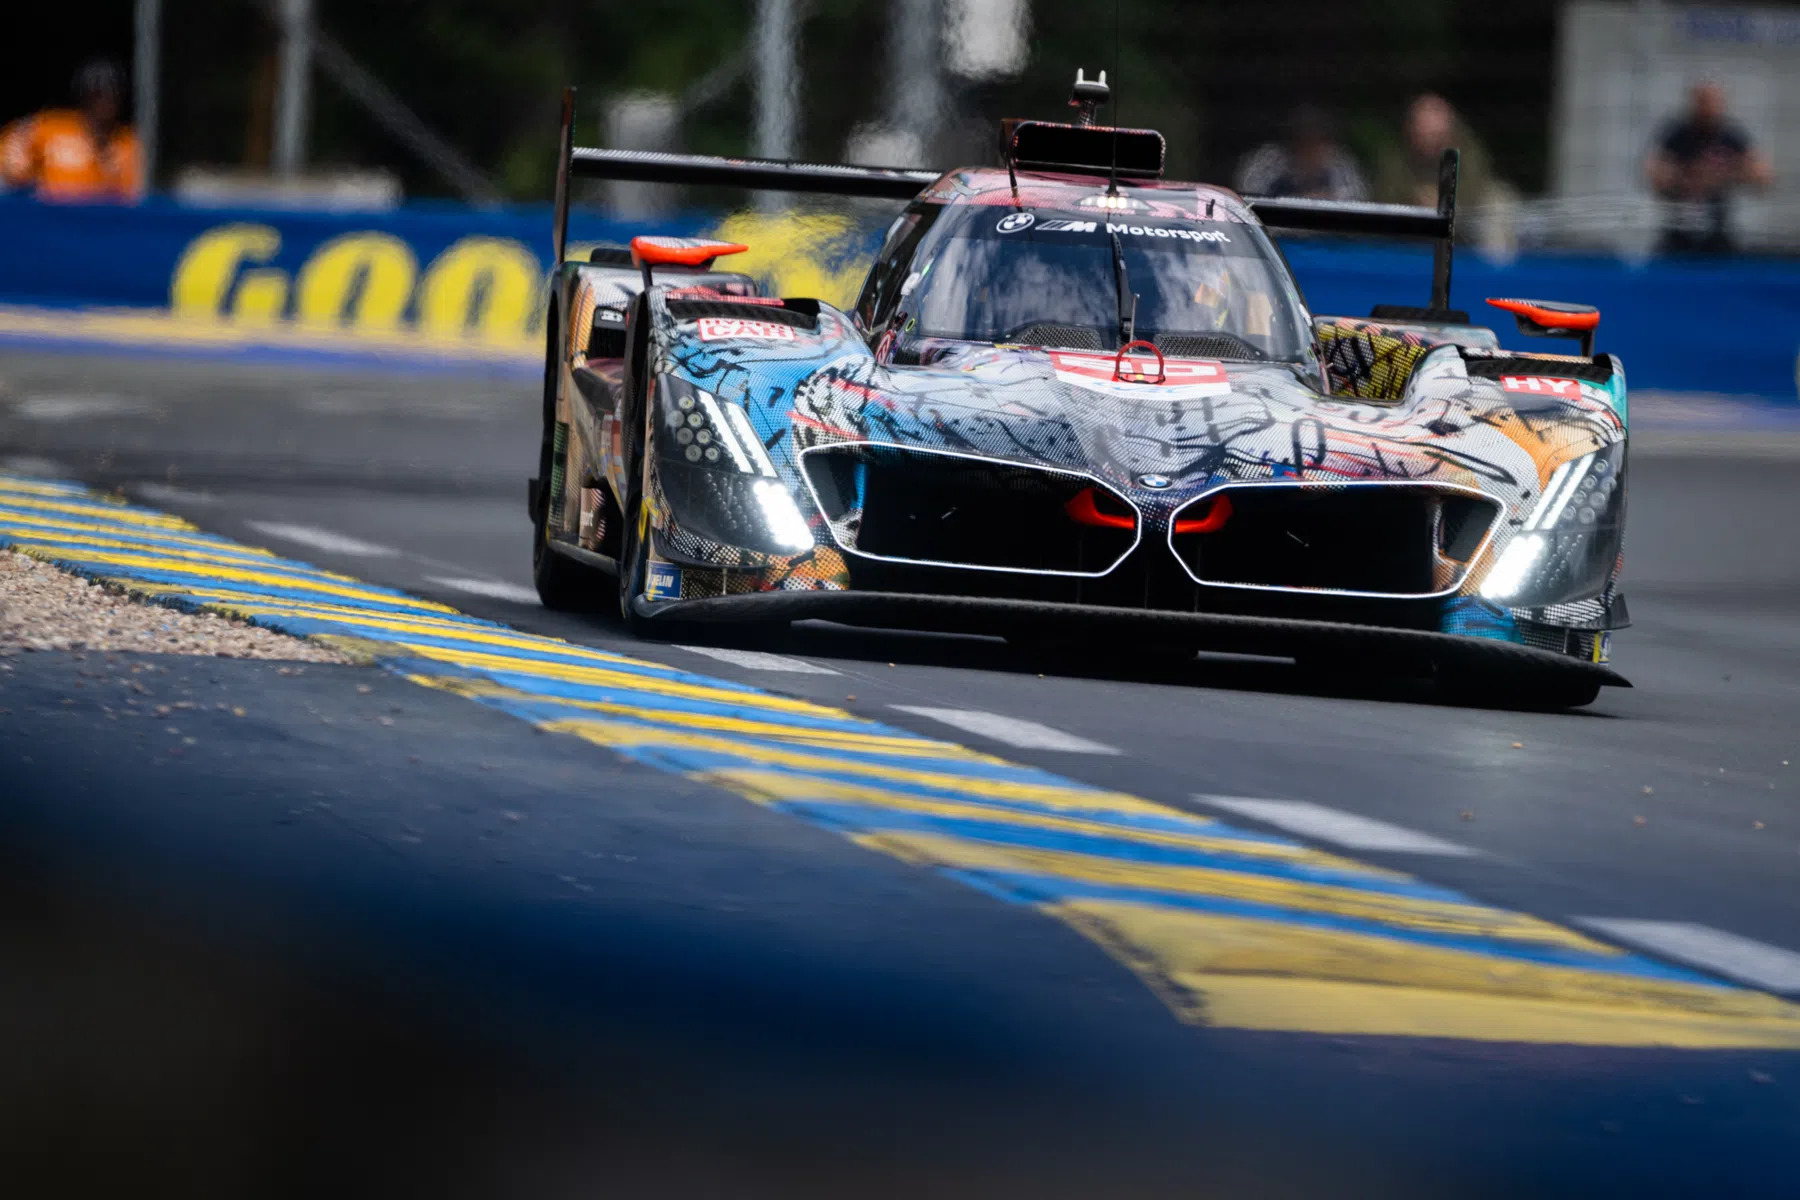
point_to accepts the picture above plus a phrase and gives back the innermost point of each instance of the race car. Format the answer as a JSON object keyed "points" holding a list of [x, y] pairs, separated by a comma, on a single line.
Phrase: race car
{"points": [[1075, 398]]}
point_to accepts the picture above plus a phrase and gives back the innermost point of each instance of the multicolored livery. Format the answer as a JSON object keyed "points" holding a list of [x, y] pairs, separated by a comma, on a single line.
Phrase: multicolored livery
{"points": [[1074, 395]]}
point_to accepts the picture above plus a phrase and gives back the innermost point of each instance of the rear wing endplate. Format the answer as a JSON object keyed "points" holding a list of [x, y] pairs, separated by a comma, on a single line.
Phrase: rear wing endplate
{"points": [[1437, 225]]}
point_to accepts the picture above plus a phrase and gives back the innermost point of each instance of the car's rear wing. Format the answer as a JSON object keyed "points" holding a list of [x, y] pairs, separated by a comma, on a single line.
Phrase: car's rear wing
{"points": [[652, 166], [1436, 225]]}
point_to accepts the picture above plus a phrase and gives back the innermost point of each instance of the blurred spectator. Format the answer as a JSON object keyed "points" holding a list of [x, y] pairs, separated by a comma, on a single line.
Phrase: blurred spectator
{"points": [[1699, 158], [1307, 162], [1487, 208], [84, 153], [1408, 173]]}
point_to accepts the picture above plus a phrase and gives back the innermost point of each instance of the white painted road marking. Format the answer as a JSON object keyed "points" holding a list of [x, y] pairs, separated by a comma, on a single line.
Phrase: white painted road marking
{"points": [[1739, 958], [1026, 735], [321, 539], [162, 493], [76, 407], [1340, 828], [491, 588], [756, 660]]}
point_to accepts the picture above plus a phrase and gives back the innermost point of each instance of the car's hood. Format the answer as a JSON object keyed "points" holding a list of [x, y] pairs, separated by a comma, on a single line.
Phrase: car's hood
{"points": [[1208, 423]]}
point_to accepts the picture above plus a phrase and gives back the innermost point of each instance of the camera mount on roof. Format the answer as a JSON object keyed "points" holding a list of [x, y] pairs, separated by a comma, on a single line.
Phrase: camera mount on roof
{"points": [[1087, 96]]}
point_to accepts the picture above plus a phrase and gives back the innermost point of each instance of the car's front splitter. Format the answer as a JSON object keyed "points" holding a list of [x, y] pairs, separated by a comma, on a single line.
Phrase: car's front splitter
{"points": [[1279, 637]]}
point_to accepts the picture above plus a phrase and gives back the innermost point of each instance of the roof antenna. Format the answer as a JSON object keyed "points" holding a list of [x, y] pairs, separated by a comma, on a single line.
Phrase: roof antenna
{"points": [[1112, 182]]}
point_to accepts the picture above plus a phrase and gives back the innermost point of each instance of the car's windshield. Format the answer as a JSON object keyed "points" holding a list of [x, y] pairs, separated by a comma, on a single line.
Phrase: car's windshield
{"points": [[1204, 288]]}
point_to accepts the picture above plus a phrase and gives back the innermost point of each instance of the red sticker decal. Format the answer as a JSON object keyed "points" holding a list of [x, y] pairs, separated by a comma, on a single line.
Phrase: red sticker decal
{"points": [[719, 329], [1541, 385]]}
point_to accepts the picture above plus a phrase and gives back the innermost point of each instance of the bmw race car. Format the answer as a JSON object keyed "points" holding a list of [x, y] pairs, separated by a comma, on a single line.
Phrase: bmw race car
{"points": [[1076, 396]]}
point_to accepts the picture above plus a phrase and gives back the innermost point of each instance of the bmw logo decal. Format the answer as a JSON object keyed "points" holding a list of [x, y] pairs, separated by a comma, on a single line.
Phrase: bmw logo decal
{"points": [[1156, 483], [1013, 222]]}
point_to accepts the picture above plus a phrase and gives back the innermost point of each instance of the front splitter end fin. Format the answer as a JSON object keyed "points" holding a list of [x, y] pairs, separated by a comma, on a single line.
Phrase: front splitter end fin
{"points": [[1280, 637]]}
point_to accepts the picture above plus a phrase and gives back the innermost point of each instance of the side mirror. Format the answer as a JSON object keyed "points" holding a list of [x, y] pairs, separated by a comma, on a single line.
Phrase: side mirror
{"points": [[1553, 318], [678, 252]]}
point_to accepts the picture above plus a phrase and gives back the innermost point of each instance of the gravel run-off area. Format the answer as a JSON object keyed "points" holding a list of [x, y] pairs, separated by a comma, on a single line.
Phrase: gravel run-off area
{"points": [[43, 607]]}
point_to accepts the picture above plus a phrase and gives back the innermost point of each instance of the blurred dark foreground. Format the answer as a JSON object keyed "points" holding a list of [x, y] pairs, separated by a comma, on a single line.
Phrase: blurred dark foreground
{"points": [[311, 952]]}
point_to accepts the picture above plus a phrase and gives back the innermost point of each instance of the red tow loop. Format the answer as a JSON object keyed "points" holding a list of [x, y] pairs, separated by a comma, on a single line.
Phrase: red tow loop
{"points": [[1138, 376]]}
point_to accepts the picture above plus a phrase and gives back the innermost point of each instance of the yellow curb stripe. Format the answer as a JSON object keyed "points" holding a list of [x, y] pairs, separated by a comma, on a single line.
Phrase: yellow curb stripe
{"points": [[1062, 797], [265, 579], [50, 542], [869, 743], [624, 681], [1242, 973], [223, 598], [777, 787], [1404, 912], [116, 515], [472, 634], [13, 485], [44, 525]]}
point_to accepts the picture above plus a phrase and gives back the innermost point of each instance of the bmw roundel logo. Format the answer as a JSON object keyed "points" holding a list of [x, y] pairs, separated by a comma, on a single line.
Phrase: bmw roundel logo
{"points": [[1013, 222], [1156, 483]]}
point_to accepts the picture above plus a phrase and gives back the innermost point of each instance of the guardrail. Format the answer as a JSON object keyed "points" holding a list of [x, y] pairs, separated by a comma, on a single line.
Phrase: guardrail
{"points": [[448, 278]]}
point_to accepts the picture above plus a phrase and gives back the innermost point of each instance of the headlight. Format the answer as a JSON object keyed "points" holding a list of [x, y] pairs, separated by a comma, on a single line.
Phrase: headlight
{"points": [[717, 475], [1570, 541], [707, 432]]}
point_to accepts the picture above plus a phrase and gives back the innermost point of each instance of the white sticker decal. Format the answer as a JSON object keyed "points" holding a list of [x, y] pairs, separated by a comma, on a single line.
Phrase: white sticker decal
{"points": [[1164, 231], [1182, 378], [1541, 385], [1013, 222], [720, 329]]}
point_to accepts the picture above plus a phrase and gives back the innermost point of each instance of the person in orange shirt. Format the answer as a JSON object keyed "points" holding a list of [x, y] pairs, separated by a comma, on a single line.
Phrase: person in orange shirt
{"points": [[86, 153]]}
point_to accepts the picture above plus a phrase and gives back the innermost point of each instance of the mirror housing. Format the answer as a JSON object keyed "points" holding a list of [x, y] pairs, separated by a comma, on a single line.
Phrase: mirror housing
{"points": [[1553, 318], [647, 252]]}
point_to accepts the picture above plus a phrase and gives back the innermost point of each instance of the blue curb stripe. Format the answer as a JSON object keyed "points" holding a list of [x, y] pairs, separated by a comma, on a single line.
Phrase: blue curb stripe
{"points": [[873, 819], [1034, 890]]}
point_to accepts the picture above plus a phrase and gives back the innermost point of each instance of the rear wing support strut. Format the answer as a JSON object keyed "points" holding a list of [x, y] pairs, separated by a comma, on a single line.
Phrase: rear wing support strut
{"points": [[1437, 225]]}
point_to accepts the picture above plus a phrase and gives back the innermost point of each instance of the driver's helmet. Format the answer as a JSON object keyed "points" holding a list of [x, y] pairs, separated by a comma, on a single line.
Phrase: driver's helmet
{"points": [[1213, 292]]}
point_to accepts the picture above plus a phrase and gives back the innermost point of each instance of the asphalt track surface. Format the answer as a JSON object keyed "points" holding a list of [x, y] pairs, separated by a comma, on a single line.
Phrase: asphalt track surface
{"points": [[863, 992]]}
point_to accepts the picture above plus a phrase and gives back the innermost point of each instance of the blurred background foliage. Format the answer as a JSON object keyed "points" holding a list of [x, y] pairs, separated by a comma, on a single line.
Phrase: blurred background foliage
{"points": [[1216, 76]]}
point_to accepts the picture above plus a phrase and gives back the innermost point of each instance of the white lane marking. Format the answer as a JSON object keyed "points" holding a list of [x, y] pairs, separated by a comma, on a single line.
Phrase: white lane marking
{"points": [[1340, 828], [1026, 735], [756, 660], [76, 407], [493, 589], [1727, 954], [162, 493], [320, 539]]}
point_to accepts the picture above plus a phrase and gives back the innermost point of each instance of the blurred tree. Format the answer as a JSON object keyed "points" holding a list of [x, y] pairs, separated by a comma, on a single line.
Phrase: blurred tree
{"points": [[1217, 77]]}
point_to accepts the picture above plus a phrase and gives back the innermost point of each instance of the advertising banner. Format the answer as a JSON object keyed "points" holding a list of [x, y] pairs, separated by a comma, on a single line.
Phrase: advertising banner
{"points": [[446, 283]]}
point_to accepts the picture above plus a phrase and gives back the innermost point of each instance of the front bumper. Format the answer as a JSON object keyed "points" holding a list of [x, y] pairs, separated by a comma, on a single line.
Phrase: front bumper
{"points": [[1277, 637]]}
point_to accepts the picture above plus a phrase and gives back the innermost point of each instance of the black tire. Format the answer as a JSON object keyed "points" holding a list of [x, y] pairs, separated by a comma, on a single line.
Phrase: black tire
{"points": [[562, 584]]}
